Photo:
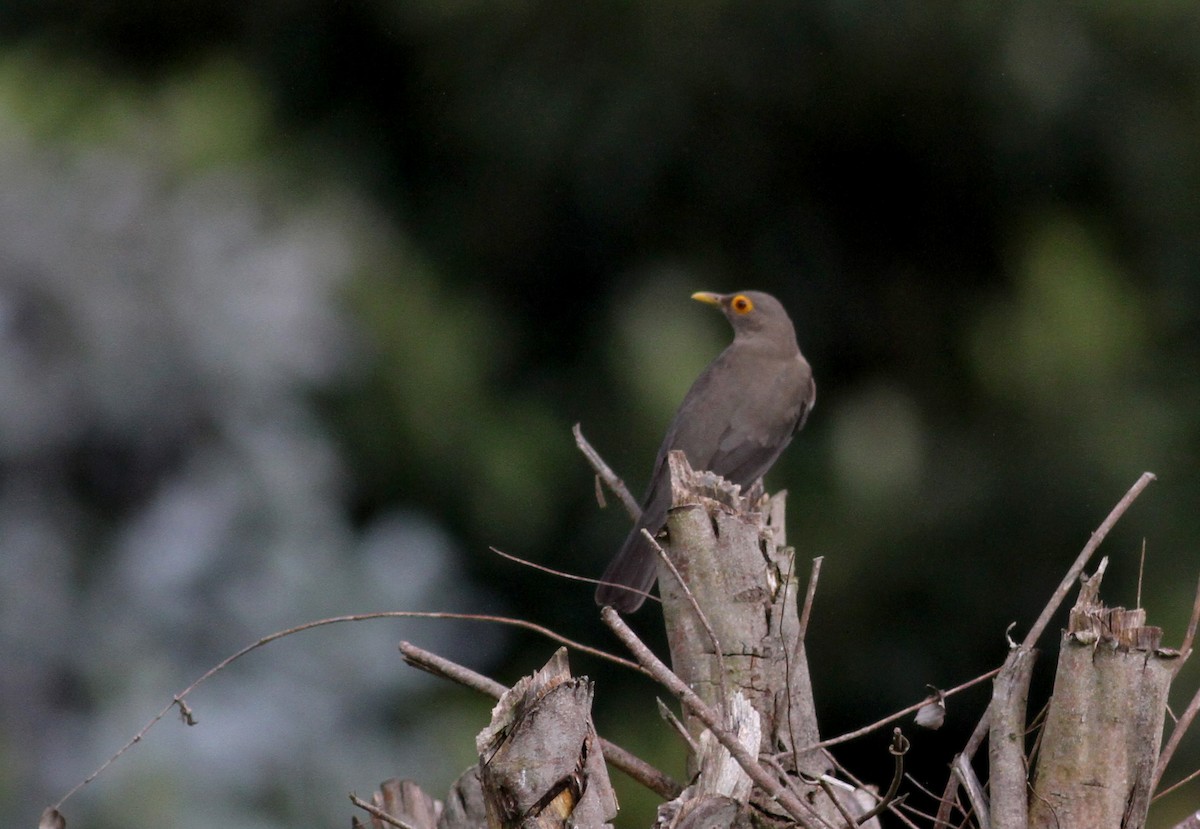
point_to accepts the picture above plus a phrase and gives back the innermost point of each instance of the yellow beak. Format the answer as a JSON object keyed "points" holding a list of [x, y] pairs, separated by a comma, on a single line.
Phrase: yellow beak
{"points": [[707, 298]]}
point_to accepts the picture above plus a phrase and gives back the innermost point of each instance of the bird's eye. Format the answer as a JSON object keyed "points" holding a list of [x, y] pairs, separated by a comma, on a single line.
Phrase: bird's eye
{"points": [[742, 304]]}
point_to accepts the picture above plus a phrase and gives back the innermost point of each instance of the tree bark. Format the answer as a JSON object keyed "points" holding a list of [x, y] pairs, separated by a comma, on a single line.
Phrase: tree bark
{"points": [[1006, 741], [540, 762], [540, 766], [1105, 721]]}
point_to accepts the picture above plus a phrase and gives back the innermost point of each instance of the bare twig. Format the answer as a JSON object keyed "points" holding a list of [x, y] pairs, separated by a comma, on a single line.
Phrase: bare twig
{"points": [[903, 712], [809, 596], [718, 652], [1181, 727], [1185, 721], [925, 790], [1177, 784], [678, 727], [185, 712], [1006, 739], [440, 666], [606, 474], [655, 667], [1035, 632], [1141, 572], [789, 655], [375, 811], [1185, 649], [1083, 558], [333, 620], [560, 573]]}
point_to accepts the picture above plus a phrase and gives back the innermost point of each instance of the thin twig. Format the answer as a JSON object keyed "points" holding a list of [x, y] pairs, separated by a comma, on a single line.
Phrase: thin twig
{"points": [[560, 573], [606, 474], [1035, 632], [678, 727], [810, 596], [718, 652], [1083, 558], [1185, 649], [668, 679], [357, 617], [925, 790], [620, 758], [846, 816], [788, 657], [375, 811], [444, 668], [1175, 786], [1141, 572], [903, 712], [1185, 722]]}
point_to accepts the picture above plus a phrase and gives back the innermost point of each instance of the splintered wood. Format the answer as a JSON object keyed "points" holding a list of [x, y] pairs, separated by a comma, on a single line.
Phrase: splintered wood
{"points": [[729, 599], [540, 761], [1105, 722]]}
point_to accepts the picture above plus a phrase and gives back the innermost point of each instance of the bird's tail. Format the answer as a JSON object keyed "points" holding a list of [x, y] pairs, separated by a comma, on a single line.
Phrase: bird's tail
{"points": [[630, 574]]}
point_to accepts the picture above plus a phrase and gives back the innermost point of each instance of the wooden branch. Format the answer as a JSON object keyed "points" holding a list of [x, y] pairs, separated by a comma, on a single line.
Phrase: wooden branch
{"points": [[539, 759], [720, 775], [402, 804], [1008, 765], [464, 807], [1085, 555], [975, 795]]}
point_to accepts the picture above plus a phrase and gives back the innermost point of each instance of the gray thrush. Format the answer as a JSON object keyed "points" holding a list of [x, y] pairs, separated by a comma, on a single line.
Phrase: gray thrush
{"points": [[735, 420]]}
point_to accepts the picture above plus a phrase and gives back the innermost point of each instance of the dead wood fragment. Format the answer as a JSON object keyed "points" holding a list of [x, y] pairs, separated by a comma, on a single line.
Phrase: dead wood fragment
{"points": [[622, 759], [540, 762]]}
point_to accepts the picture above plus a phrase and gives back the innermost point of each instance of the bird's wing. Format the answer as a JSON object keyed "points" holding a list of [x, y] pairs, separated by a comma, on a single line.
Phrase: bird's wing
{"points": [[760, 428]]}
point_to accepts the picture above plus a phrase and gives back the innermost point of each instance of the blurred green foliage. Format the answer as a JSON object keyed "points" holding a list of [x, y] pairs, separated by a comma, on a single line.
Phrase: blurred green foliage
{"points": [[982, 217]]}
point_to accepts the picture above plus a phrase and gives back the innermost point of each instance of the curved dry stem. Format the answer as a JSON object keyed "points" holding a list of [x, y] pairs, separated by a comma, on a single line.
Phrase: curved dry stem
{"points": [[177, 700]]}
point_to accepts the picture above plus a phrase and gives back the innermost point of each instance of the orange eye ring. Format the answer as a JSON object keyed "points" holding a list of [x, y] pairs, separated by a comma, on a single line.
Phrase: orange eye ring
{"points": [[741, 304]]}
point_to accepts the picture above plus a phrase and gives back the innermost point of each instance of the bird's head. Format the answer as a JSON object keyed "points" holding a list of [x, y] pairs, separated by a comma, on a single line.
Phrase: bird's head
{"points": [[752, 313]]}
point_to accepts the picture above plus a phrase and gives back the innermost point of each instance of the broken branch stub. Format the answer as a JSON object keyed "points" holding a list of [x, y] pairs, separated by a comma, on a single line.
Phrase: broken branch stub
{"points": [[724, 547], [746, 587], [540, 761], [1105, 721]]}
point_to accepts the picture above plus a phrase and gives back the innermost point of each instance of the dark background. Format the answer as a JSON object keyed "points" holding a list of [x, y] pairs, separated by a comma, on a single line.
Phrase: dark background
{"points": [[299, 301]]}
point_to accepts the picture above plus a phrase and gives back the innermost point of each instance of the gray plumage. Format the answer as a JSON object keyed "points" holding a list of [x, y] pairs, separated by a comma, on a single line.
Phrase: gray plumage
{"points": [[736, 420]]}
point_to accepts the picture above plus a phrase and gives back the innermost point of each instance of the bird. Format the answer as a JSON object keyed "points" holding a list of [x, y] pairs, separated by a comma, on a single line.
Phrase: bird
{"points": [[735, 421]]}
